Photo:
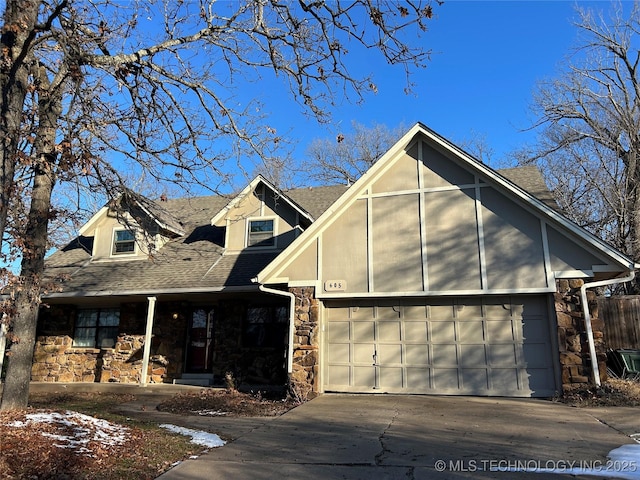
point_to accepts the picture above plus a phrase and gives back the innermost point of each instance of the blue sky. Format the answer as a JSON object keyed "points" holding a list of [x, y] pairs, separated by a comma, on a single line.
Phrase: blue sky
{"points": [[487, 58]]}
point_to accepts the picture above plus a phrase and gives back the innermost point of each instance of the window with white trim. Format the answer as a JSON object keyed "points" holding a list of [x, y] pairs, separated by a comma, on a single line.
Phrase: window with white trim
{"points": [[124, 242], [261, 233]]}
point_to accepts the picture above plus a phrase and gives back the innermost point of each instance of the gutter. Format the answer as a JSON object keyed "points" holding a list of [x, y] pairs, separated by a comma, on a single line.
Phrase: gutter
{"points": [[587, 318], [292, 310], [157, 291]]}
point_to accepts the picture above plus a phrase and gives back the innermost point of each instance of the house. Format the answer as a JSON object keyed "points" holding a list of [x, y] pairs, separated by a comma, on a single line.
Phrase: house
{"points": [[432, 273]]}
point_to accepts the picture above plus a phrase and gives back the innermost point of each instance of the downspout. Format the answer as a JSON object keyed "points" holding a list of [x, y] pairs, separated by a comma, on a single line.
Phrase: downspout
{"points": [[147, 340], [292, 316], [587, 318]]}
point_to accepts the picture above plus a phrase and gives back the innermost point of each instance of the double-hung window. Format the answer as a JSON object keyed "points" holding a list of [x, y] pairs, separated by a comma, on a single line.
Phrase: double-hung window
{"points": [[124, 241], [261, 233], [96, 327]]}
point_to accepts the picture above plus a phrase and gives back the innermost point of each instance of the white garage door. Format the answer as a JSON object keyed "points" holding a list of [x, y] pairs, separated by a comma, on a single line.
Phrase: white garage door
{"points": [[471, 346]]}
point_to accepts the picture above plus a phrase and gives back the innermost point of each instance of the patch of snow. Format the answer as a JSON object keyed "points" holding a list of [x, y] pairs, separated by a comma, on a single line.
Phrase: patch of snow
{"points": [[83, 427], [198, 437], [212, 413]]}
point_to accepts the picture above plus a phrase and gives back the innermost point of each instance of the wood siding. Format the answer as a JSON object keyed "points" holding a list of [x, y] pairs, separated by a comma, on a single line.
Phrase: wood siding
{"points": [[621, 317]]}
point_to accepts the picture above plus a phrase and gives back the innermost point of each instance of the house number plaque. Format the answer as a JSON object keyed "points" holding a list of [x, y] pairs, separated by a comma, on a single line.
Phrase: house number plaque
{"points": [[335, 286]]}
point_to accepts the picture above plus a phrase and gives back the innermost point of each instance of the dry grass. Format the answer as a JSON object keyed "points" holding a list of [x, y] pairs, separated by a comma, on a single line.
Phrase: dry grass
{"points": [[25, 453], [613, 393], [227, 402]]}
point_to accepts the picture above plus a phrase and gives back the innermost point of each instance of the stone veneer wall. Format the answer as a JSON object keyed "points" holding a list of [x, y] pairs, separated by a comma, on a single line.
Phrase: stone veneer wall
{"points": [[55, 358], [303, 382], [575, 361]]}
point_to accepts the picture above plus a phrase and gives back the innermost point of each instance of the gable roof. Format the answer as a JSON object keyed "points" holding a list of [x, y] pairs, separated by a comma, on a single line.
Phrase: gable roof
{"points": [[251, 188], [540, 202], [154, 211], [196, 260]]}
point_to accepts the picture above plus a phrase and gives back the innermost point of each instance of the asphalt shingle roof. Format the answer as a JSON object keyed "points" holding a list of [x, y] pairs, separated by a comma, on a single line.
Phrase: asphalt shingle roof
{"points": [[197, 261]]}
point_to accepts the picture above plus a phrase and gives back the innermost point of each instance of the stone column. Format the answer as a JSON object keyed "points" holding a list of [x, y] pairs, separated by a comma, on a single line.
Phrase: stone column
{"points": [[303, 383], [575, 361]]}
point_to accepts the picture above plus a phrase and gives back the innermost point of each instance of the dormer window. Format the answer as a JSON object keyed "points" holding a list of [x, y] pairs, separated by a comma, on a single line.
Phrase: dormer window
{"points": [[124, 242], [261, 233]]}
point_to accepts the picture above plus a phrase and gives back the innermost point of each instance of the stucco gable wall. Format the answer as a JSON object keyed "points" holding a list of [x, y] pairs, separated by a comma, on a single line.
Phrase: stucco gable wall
{"points": [[261, 203], [104, 238], [427, 223]]}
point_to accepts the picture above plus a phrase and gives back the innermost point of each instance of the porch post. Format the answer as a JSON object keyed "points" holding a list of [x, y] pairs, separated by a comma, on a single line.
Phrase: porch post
{"points": [[147, 340]]}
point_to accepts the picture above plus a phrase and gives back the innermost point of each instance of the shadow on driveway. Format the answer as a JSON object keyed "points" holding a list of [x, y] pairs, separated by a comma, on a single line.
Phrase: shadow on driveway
{"points": [[404, 437]]}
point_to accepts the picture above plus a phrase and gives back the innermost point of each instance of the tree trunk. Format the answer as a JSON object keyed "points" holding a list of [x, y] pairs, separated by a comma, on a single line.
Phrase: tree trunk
{"points": [[27, 300], [633, 211], [20, 18], [27, 297]]}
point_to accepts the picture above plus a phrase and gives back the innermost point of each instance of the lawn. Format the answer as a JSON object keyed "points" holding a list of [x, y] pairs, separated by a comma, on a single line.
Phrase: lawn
{"points": [[83, 436]]}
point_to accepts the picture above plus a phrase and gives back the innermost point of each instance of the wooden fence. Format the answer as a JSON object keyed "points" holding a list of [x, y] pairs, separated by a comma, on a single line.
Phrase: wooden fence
{"points": [[621, 315]]}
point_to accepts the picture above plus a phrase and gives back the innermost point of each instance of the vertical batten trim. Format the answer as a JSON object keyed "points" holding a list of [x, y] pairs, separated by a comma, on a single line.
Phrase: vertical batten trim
{"points": [[423, 220], [484, 280], [547, 254], [319, 269], [370, 279]]}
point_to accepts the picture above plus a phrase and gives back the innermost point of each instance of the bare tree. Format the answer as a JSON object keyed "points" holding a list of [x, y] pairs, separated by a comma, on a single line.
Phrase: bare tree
{"points": [[94, 88], [589, 121], [345, 158]]}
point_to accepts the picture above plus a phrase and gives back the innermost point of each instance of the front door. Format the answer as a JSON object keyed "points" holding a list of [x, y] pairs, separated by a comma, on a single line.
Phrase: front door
{"points": [[200, 341]]}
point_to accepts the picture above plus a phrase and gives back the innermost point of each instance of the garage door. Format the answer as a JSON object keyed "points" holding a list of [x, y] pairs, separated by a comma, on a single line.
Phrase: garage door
{"points": [[473, 346]]}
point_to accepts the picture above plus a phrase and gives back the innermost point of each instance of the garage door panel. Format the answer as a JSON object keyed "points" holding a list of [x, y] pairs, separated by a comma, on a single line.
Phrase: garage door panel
{"points": [[388, 312], [339, 375], [416, 332], [415, 312], [445, 355], [389, 354], [535, 355], [504, 379], [469, 310], [364, 376], [361, 312], [338, 332], [363, 353], [532, 329], [443, 332], [389, 331], [339, 353], [445, 379], [419, 378], [391, 377], [535, 379], [498, 310], [416, 354], [475, 379], [337, 313], [473, 346], [363, 331], [471, 331], [499, 331], [471, 355], [502, 355], [441, 311]]}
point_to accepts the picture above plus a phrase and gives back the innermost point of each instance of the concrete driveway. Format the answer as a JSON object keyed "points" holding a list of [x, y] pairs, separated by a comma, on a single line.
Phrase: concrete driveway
{"points": [[414, 437]]}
